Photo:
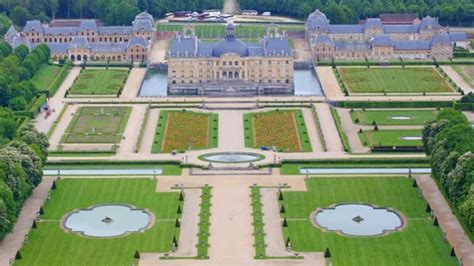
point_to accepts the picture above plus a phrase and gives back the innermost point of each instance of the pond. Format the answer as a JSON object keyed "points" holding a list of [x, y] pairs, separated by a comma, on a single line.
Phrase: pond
{"points": [[307, 83], [156, 82], [358, 219], [231, 157], [108, 221], [364, 170]]}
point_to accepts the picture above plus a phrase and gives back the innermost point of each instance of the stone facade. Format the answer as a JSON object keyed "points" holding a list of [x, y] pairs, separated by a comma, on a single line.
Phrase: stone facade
{"points": [[230, 67], [424, 38], [89, 41]]}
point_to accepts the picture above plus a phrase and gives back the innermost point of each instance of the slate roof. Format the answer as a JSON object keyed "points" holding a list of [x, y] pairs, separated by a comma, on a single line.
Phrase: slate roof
{"points": [[316, 20], [11, 33], [79, 42], [138, 40], [57, 48], [359, 46], [111, 30], [441, 38], [191, 47], [428, 21], [398, 18], [324, 39], [33, 26], [108, 47], [56, 31], [142, 26], [373, 23], [382, 40], [412, 28], [412, 45], [351, 28], [88, 24], [457, 36]]}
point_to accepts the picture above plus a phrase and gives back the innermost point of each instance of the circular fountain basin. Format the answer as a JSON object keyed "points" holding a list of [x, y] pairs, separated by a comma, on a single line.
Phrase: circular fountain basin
{"points": [[400, 117], [108, 221], [358, 220], [411, 138], [231, 157]]}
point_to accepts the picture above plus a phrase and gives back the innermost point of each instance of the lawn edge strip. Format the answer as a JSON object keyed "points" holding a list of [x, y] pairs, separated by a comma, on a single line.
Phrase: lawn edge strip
{"points": [[342, 134]]}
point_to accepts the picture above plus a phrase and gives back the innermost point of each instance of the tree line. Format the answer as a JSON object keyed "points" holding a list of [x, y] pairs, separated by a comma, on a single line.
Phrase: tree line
{"points": [[449, 141], [111, 12], [454, 12], [23, 150], [17, 67]]}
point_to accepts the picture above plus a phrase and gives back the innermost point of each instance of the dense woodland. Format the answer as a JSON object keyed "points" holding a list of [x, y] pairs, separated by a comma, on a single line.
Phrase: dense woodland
{"points": [[449, 140], [23, 150], [121, 12]]}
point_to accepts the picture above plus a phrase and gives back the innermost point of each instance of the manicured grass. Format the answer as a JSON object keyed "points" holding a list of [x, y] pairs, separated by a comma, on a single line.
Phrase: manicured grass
{"points": [[51, 245], [168, 168], [258, 225], [390, 138], [45, 76], [179, 130], [293, 168], [419, 243], [99, 82], [384, 117], [394, 80], [284, 129], [204, 223], [342, 134], [466, 72], [97, 125]]}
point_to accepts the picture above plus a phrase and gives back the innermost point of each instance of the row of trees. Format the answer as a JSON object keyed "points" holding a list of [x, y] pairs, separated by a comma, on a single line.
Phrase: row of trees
{"points": [[449, 140], [22, 155], [455, 12], [112, 12], [16, 68]]}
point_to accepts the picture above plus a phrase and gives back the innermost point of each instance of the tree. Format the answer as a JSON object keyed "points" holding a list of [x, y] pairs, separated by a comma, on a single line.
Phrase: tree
{"points": [[4, 24], [327, 253], [18, 103], [21, 52], [19, 16]]}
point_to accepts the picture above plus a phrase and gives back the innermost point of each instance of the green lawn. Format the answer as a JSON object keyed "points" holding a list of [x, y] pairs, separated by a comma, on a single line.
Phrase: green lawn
{"points": [[50, 245], [466, 72], [390, 138], [99, 82], [45, 76], [394, 80], [419, 243], [179, 130], [283, 129], [385, 117], [97, 125]]}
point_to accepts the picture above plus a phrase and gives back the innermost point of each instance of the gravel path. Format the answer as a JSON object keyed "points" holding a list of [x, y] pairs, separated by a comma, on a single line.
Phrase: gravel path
{"points": [[457, 79], [14, 240], [328, 126], [312, 130], [351, 131], [133, 84], [149, 133], [329, 83], [56, 102], [132, 130], [231, 7], [447, 221]]}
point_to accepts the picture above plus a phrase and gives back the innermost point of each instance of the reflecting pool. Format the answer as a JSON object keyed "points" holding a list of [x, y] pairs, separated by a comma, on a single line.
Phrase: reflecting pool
{"points": [[358, 220], [108, 221], [231, 157]]}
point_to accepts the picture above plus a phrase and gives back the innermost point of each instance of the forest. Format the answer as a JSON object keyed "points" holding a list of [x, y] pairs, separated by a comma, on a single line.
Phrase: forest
{"points": [[122, 12], [23, 150], [449, 141]]}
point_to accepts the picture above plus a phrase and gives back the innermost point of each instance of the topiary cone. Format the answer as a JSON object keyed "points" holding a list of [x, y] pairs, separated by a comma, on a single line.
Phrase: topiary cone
{"points": [[34, 225], [282, 209], [137, 255], [177, 223], [285, 223], [18, 255], [327, 253]]}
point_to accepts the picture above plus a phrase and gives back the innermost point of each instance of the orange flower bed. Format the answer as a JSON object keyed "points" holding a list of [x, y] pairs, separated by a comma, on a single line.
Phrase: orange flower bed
{"points": [[276, 128], [184, 129]]}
